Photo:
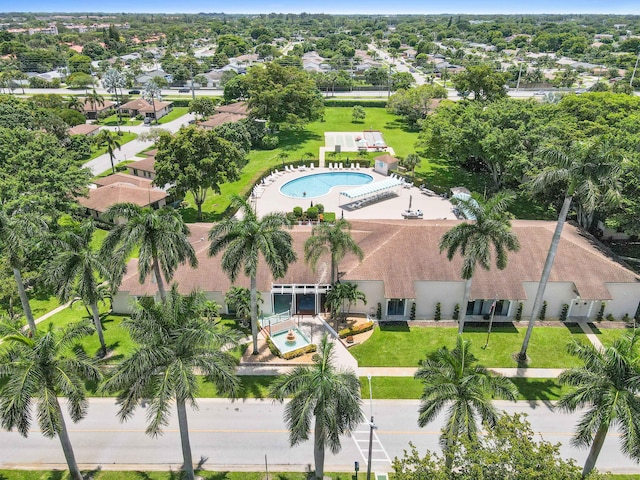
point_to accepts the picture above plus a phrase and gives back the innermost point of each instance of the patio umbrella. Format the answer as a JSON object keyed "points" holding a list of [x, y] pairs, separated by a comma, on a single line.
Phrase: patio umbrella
{"points": [[410, 199]]}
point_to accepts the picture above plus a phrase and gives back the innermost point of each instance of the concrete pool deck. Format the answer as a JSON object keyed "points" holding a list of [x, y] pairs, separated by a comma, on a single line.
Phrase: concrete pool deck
{"points": [[272, 200]]}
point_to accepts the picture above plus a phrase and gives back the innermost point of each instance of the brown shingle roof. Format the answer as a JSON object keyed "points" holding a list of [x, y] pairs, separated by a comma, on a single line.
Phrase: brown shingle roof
{"points": [[141, 105], [100, 199], [220, 118], [87, 107], [386, 158], [145, 165], [238, 108], [401, 253], [83, 129], [123, 178]]}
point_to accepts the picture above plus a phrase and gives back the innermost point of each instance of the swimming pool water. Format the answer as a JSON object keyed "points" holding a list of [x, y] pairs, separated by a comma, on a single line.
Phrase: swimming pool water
{"points": [[320, 184]]}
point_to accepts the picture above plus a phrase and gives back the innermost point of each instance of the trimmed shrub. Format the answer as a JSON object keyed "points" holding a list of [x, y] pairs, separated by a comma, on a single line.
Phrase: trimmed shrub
{"points": [[379, 311], [300, 351], [519, 311], [273, 349], [312, 213], [297, 212], [564, 312], [438, 313], [329, 217], [320, 207], [600, 315], [456, 311], [412, 316], [269, 142], [364, 327], [610, 317], [352, 103], [626, 318], [543, 311]]}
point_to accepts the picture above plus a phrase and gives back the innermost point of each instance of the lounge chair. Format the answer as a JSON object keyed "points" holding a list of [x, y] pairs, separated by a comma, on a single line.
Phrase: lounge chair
{"points": [[340, 166], [357, 166], [302, 168], [331, 166], [311, 167]]}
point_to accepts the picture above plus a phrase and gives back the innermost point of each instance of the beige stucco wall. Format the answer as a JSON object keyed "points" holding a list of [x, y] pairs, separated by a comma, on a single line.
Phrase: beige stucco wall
{"points": [[625, 299], [374, 293], [556, 294], [430, 293]]}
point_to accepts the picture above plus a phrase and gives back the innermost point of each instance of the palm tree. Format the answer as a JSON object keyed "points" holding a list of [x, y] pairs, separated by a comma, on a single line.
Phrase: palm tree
{"points": [[175, 344], [113, 80], [411, 161], [77, 269], [17, 231], [607, 386], [326, 392], [94, 98], [239, 299], [453, 379], [151, 93], [474, 239], [334, 240], [589, 174], [39, 369], [109, 140], [283, 156], [344, 291], [74, 103], [161, 235], [244, 240]]}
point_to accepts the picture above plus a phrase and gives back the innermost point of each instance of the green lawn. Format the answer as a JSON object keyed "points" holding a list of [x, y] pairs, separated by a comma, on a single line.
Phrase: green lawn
{"points": [[296, 143], [112, 121], [177, 112], [609, 335], [120, 167], [399, 388], [41, 304], [126, 137], [116, 337], [152, 475], [400, 346]]}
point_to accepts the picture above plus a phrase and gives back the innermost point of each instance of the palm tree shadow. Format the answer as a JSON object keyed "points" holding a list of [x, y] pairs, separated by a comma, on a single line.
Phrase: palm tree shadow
{"points": [[539, 390], [90, 474], [55, 475], [394, 326]]}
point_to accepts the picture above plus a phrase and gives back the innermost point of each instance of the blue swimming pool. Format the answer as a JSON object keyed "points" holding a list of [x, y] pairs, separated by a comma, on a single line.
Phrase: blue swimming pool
{"points": [[320, 184]]}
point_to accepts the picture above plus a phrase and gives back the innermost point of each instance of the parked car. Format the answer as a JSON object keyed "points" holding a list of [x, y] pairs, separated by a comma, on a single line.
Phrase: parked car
{"points": [[134, 92], [184, 90], [147, 121]]}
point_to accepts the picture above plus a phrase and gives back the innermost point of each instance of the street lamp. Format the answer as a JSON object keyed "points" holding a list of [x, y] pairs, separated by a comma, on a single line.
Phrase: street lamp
{"points": [[372, 427]]}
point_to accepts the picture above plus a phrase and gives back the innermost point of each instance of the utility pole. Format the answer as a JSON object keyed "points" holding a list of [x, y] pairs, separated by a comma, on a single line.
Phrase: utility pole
{"points": [[372, 427], [519, 74]]}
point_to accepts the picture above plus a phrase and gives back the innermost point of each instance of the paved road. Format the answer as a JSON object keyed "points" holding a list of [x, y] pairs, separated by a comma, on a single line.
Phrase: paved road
{"points": [[237, 436], [129, 150]]}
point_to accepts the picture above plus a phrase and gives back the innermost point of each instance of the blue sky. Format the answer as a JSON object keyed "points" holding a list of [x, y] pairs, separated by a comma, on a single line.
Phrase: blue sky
{"points": [[329, 6]]}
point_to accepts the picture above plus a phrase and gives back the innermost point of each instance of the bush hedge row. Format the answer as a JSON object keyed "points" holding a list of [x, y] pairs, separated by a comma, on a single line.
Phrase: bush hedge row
{"points": [[353, 102], [364, 327]]}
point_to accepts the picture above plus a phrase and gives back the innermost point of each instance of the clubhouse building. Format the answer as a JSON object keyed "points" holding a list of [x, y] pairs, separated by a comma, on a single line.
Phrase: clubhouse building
{"points": [[402, 265]]}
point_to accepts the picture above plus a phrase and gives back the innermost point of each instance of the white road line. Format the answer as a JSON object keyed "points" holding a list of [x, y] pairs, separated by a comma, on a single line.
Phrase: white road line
{"points": [[378, 452]]}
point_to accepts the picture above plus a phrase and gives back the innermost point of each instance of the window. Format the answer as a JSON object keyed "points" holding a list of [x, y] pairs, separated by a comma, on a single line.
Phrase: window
{"points": [[395, 306]]}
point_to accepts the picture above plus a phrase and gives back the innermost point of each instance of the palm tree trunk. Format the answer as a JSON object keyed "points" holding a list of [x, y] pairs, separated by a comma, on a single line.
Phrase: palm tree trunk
{"points": [[596, 446], [318, 450], [113, 165], [465, 303], [254, 314], [334, 270], [546, 271], [184, 439], [24, 300], [63, 435], [96, 321], [119, 112], [158, 274]]}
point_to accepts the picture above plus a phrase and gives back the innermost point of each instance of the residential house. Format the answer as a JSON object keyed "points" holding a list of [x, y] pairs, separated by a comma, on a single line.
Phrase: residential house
{"points": [[145, 167], [140, 106], [233, 112], [403, 265], [87, 129], [95, 110], [145, 77], [119, 188]]}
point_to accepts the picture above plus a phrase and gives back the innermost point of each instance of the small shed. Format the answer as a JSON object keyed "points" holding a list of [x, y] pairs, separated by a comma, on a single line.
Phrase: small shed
{"points": [[385, 164]]}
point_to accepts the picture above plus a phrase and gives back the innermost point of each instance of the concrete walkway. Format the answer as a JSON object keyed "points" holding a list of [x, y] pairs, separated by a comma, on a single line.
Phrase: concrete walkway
{"points": [[505, 372], [593, 338]]}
